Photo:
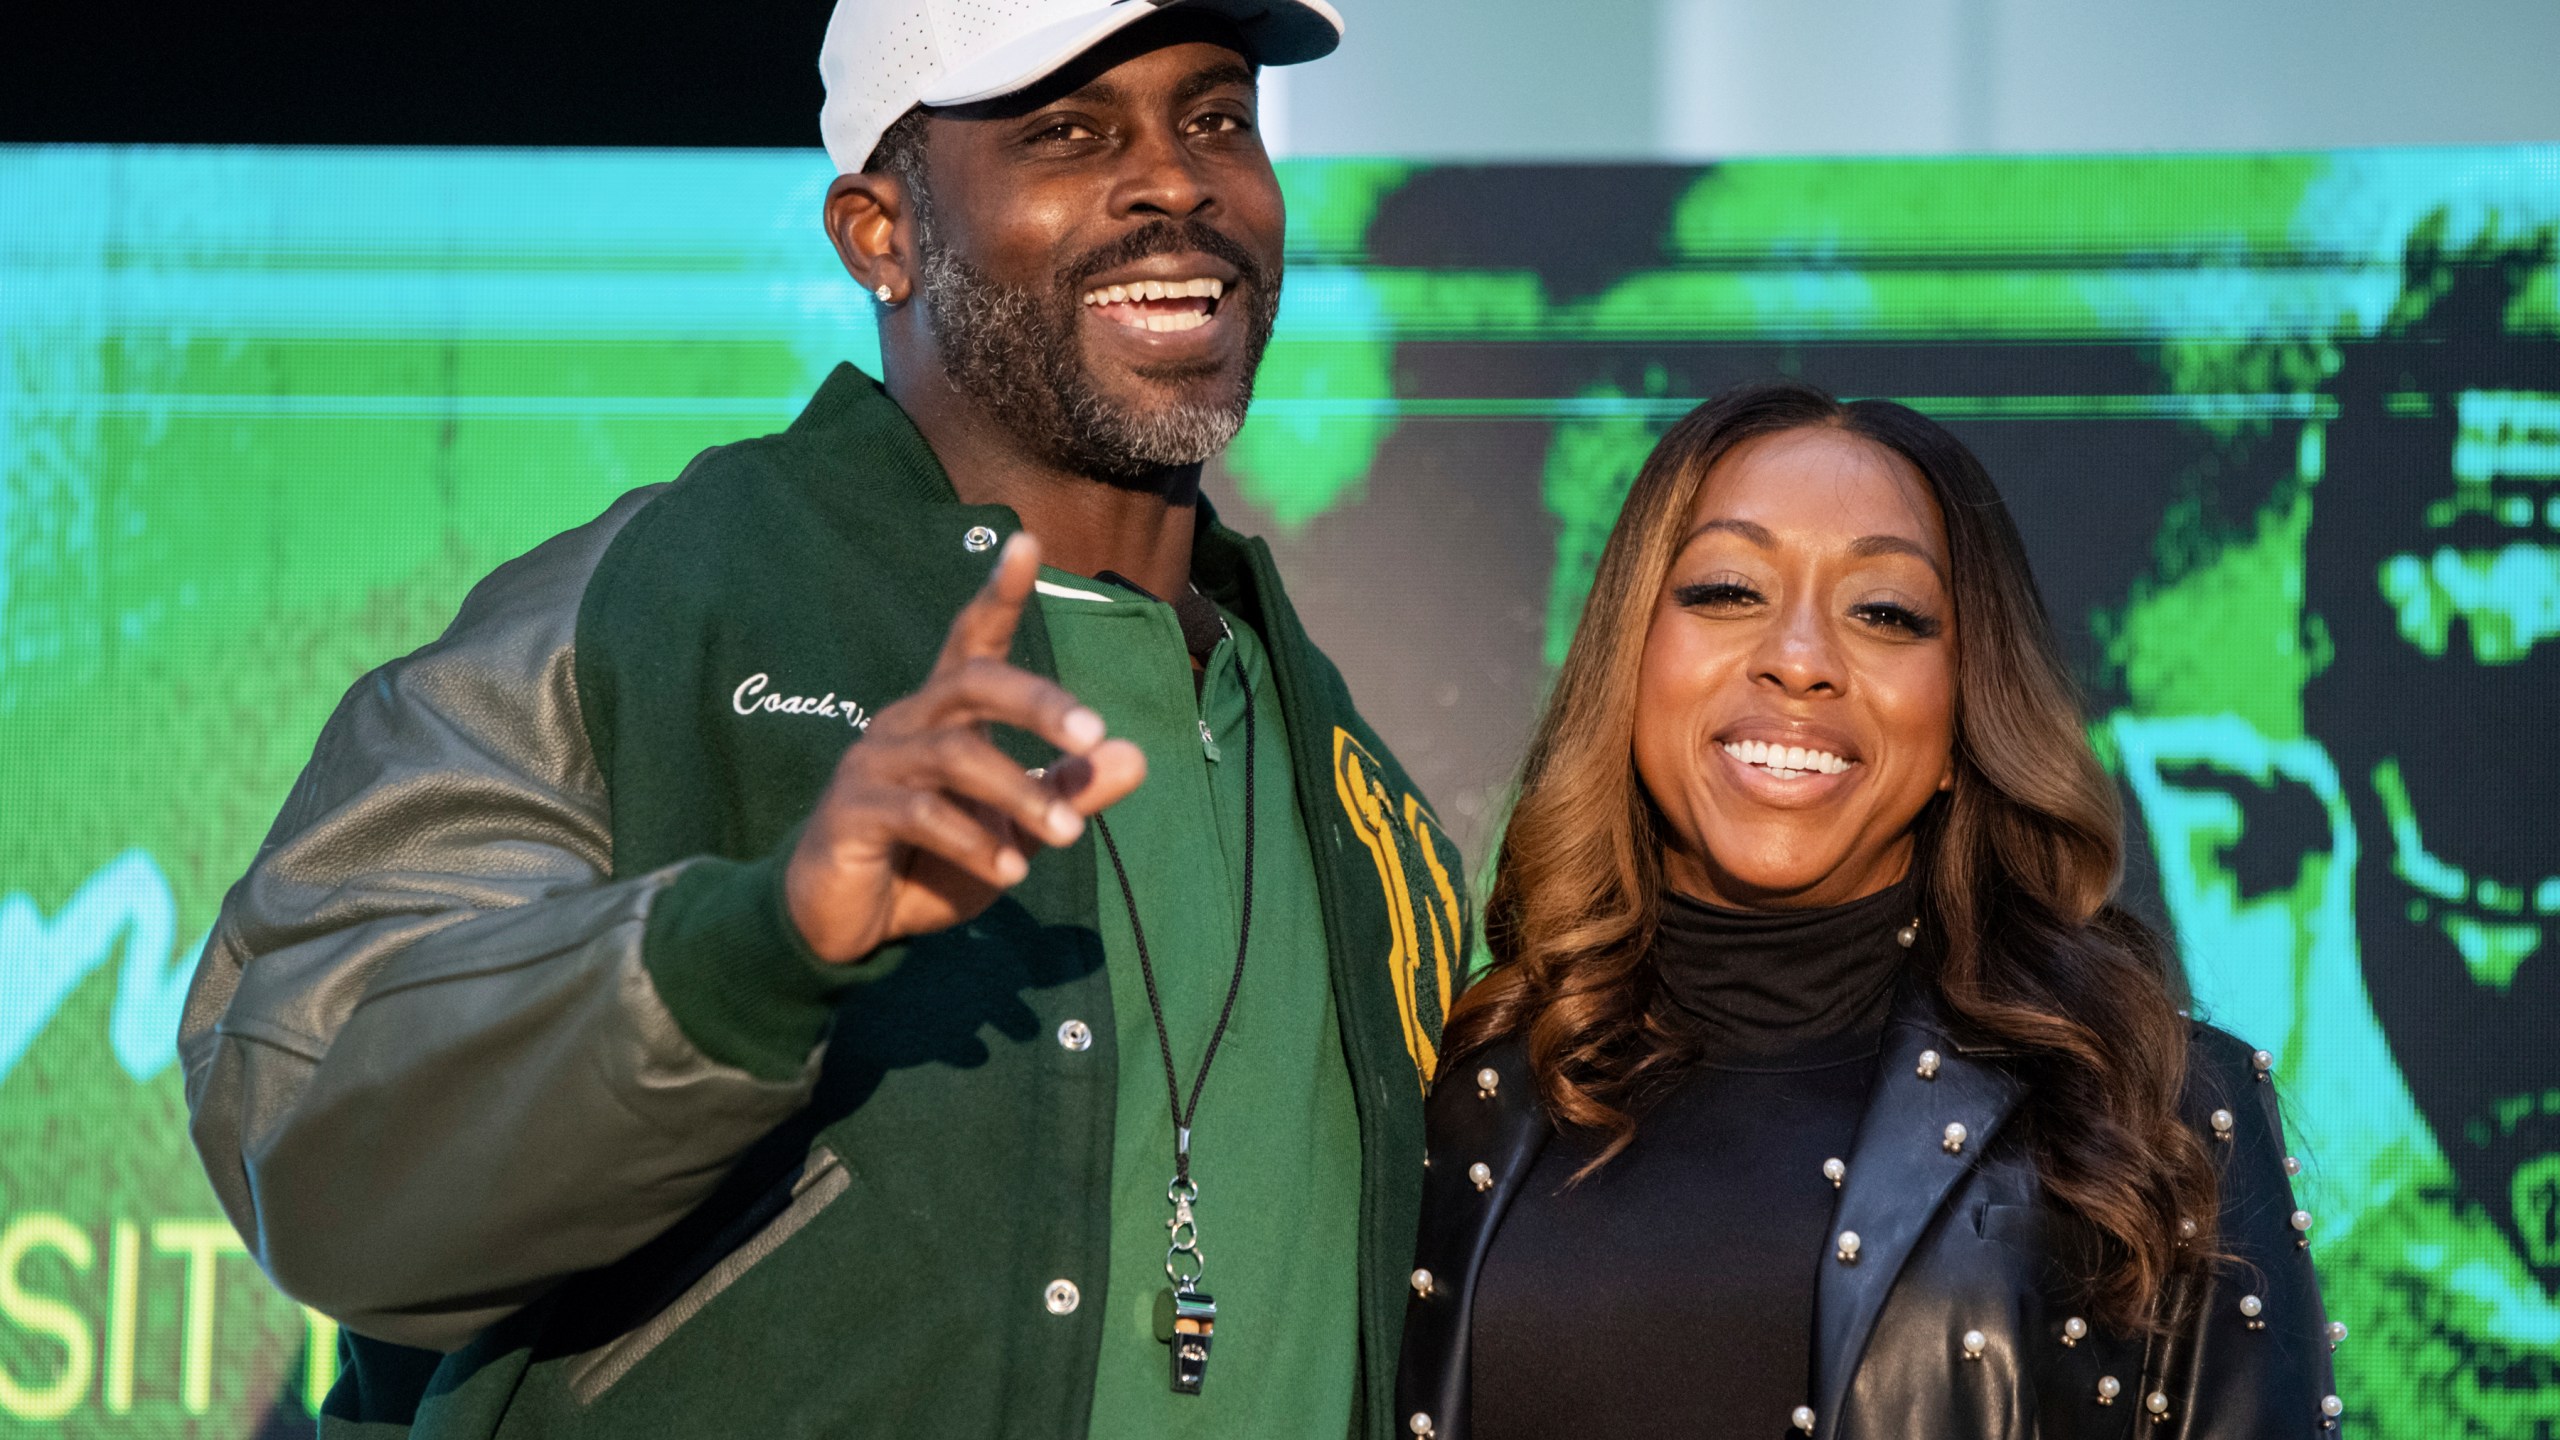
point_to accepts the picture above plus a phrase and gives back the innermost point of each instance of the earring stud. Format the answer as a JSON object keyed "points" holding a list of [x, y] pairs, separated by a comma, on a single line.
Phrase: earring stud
{"points": [[883, 293]]}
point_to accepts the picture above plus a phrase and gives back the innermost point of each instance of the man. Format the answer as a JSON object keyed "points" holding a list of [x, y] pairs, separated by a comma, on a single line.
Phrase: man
{"points": [[644, 1021], [2432, 566]]}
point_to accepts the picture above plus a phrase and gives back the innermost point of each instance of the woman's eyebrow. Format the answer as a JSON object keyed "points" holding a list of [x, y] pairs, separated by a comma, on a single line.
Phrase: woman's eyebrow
{"points": [[1757, 534], [1867, 547]]}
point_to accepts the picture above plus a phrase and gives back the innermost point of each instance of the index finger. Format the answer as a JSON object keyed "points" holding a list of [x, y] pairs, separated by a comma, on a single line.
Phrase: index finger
{"points": [[983, 630]]}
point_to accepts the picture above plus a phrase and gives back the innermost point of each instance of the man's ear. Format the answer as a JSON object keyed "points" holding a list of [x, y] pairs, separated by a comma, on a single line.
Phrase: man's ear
{"points": [[874, 235]]}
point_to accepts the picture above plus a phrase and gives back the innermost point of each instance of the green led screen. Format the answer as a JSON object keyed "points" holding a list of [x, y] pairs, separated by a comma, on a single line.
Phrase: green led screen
{"points": [[2283, 433]]}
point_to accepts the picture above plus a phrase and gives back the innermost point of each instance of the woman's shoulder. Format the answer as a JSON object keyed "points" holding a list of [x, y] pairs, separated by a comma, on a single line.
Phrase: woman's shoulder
{"points": [[2230, 1101], [1482, 1092], [2222, 1067]]}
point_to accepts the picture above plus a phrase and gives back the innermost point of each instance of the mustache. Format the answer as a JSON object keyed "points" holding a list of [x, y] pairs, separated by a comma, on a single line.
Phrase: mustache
{"points": [[1164, 237]]}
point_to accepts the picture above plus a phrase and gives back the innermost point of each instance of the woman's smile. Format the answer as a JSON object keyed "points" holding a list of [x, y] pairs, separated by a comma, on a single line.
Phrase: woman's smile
{"points": [[1785, 766]]}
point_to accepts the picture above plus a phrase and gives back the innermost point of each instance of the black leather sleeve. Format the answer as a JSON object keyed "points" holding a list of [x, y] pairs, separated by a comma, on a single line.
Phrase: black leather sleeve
{"points": [[429, 1073], [2252, 1359]]}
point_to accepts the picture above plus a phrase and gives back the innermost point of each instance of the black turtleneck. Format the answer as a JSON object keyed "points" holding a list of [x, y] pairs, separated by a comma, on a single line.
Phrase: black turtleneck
{"points": [[1671, 1293]]}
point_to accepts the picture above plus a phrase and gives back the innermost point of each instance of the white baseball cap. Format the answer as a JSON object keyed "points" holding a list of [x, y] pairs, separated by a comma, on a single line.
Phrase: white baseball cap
{"points": [[883, 58]]}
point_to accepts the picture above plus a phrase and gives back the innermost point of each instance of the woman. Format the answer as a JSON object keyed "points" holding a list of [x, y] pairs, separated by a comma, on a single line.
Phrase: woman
{"points": [[1819, 1088]]}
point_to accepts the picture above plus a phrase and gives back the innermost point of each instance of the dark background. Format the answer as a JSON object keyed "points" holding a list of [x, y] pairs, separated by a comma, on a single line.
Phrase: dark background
{"points": [[458, 72]]}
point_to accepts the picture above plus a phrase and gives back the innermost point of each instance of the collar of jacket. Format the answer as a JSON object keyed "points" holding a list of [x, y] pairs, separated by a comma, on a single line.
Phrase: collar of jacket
{"points": [[1907, 1158], [1900, 1172], [851, 416]]}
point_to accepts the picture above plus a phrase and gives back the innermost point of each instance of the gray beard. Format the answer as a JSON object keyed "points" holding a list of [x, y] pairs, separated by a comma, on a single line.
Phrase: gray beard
{"points": [[1018, 356]]}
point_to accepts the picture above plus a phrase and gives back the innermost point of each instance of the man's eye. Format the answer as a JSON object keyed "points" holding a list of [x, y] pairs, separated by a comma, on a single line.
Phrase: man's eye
{"points": [[1061, 130], [1222, 122]]}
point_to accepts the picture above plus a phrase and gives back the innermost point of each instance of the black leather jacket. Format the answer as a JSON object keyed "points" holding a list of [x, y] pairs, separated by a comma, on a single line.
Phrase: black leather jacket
{"points": [[1957, 1316]]}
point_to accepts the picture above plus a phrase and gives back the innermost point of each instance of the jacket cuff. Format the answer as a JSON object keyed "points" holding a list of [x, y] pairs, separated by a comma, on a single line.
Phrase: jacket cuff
{"points": [[732, 968]]}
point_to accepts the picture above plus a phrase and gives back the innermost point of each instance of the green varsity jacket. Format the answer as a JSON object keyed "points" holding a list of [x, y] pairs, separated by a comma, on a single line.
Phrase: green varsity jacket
{"points": [[506, 1054]]}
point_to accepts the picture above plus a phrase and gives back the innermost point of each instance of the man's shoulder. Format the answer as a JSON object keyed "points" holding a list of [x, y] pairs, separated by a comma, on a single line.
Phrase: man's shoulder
{"points": [[720, 500], [1361, 758]]}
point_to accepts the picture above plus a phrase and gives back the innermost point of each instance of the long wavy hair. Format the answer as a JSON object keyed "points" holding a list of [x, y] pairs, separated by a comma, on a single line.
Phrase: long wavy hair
{"points": [[2015, 868]]}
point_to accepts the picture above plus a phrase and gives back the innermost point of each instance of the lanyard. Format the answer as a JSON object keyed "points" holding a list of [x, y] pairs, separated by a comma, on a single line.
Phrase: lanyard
{"points": [[1186, 1315]]}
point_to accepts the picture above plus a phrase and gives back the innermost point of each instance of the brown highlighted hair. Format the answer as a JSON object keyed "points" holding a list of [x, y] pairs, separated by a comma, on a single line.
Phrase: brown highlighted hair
{"points": [[2016, 867]]}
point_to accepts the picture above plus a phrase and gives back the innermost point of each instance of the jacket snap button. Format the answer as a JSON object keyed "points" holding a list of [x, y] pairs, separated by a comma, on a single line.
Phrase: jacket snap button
{"points": [[979, 540], [1075, 1035], [1063, 1297]]}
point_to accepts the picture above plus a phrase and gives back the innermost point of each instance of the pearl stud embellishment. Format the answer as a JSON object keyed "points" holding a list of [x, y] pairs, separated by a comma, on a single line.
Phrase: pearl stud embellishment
{"points": [[1929, 1060]]}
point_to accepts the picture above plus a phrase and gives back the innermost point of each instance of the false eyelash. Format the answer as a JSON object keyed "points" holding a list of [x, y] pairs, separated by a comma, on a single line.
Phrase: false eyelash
{"points": [[1912, 621], [1712, 590]]}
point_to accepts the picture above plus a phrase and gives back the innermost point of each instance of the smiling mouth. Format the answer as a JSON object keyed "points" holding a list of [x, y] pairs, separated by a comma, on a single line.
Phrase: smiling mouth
{"points": [[1161, 306], [1787, 762]]}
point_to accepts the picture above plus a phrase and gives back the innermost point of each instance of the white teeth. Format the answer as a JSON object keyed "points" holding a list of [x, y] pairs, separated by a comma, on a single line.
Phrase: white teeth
{"points": [[1786, 761], [1203, 289]]}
